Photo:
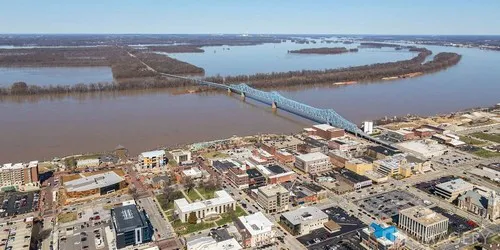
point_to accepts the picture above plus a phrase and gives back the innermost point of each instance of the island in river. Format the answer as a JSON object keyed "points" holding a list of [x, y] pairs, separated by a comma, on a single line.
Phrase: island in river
{"points": [[323, 50]]}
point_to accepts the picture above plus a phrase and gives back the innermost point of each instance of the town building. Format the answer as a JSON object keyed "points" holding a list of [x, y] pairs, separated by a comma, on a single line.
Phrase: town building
{"points": [[357, 181], [344, 144], [422, 223], [485, 206], [255, 178], [399, 135], [313, 163], [152, 160], [380, 152], [382, 237], [301, 193], [19, 175], [88, 163], [424, 132], [238, 178], [130, 226], [223, 166], [194, 173], [312, 145], [209, 243], [326, 131], [273, 198], [284, 157], [358, 166], [339, 158], [423, 149], [98, 184], [276, 174], [450, 190], [256, 230], [181, 156], [392, 165], [287, 143], [222, 203], [303, 220]]}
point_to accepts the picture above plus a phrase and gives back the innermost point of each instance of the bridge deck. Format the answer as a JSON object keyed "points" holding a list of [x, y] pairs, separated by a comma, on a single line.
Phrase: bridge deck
{"points": [[328, 116]]}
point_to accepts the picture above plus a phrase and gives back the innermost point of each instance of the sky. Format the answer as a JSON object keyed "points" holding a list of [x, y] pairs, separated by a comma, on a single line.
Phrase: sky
{"points": [[431, 17]]}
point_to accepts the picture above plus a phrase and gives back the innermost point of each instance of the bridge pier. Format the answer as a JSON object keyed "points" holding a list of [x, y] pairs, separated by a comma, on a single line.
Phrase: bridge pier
{"points": [[242, 96], [228, 91], [274, 105]]}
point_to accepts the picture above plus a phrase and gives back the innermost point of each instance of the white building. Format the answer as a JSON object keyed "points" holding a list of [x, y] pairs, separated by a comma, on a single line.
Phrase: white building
{"points": [[256, 229], [222, 203], [423, 223], [209, 243], [452, 189], [313, 163], [193, 173], [92, 162], [368, 127], [303, 220], [152, 159], [181, 156]]}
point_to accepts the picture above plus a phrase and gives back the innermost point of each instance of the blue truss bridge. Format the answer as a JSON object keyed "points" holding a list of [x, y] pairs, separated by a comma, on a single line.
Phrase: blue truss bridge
{"points": [[277, 101]]}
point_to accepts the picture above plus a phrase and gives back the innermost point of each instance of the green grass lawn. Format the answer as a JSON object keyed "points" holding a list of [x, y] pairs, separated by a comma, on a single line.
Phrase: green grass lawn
{"points": [[226, 217], [193, 196], [67, 217], [186, 228], [495, 239], [164, 205], [488, 137], [472, 141], [208, 194], [485, 153]]}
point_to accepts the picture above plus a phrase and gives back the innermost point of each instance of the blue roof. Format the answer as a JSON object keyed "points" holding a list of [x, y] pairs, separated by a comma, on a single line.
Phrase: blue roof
{"points": [[387, 232]]}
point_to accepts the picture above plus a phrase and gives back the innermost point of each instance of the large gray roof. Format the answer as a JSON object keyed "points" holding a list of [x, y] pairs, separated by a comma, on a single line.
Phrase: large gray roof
{"points": [[128, 217]]}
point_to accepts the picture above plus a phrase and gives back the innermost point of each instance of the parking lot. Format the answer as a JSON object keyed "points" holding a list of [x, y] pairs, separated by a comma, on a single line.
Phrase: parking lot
{"points": [[453, 158], [323, 239], [91, 236], [457, 224], [18, 203], [428, 186], [387, 205]]}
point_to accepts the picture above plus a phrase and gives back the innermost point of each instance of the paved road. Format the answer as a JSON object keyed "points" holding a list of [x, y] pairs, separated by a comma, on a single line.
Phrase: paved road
{"points": [[163, 229]]}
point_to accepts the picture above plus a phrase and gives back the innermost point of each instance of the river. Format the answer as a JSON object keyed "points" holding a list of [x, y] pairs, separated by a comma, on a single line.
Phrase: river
{"points": [[45, 127]]}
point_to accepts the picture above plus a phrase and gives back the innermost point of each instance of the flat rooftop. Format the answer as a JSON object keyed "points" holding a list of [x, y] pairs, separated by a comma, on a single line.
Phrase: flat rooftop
{"points": [[457, 185], [288, 141], [155, 153], [10, 166], [304, 214], [127, 218], [354, 177], [93, 182], [423, 215], [313, 157], [253, 173], [325, 127], [221, 198], [256, 223], [272, 190]]}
